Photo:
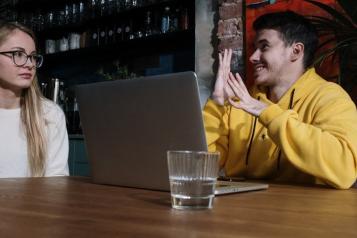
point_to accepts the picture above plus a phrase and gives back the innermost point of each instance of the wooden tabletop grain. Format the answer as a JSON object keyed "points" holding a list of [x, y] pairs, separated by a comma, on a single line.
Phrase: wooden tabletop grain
{"points": [[74, 207]]}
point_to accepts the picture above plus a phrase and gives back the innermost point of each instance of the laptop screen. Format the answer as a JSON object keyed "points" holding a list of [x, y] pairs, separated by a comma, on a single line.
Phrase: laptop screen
{"points": [[129, 125]]}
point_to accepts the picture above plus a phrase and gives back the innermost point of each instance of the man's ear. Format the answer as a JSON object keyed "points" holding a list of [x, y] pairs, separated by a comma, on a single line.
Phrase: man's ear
{"points": [[297, 51]]}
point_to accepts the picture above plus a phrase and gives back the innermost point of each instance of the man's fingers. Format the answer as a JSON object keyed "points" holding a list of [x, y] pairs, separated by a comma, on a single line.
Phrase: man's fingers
{"points": [[234, 103], [235, 84], [234, 80], [220, 59], [241, 83], [227, 57], [235, 88]]}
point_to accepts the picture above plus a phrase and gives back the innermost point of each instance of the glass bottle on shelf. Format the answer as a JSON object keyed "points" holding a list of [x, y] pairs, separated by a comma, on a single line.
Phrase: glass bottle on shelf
{"points": [[184, 20], [62, 96], [67, 14], [110, 7], [93, 7], [92, 37], [119, 33], [110, 35], [128, 31], [165, 20], [40, 21], [119, 6], [156, 23], [103, 8], [103, 36], [148, 24], [27, 19], [75, 13], [49, 19], [174, 26], [61, 18], [128, 4], [82, 12], [73, 118]]}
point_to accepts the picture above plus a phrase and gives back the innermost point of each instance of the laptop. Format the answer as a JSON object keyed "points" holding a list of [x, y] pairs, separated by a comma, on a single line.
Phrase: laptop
{"points": [[128, 126]]}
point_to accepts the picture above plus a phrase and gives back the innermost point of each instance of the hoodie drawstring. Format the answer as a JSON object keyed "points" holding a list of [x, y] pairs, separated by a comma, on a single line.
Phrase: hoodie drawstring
{"points": [[251, 138], [290, 107], [253, 132]]}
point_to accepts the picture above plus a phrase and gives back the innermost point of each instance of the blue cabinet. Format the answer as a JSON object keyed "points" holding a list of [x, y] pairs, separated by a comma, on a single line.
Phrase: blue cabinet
{"points": [[78, 159]]}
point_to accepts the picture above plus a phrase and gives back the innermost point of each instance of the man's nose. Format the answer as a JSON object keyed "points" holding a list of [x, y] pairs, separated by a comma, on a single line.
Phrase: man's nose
{"points": [[255, 56]]}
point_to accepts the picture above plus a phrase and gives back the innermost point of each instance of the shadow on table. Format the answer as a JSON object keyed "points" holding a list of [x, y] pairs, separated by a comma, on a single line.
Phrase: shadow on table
{"points": [[156, 197]]}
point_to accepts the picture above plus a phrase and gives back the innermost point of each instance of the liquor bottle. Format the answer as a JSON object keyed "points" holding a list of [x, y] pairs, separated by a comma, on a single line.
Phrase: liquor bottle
{"points": [[184, 19], [111, 35], [43, 87], [73, 118], [83, 40], [165, 20], [102, 8], [148, 29], [49, 20], [93, 37], [93, 6], [61, 100], [111, 7], [128, 31], [119, 5], [103, 40], [55, 89], [82, 11], [156, 23], [174, 26], [118, 32], [128, 4], [75, 13], [67, 14]]}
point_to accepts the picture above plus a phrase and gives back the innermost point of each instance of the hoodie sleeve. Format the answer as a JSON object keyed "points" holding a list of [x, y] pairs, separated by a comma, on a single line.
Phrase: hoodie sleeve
{"points": [[216, 126], [325, 148]]}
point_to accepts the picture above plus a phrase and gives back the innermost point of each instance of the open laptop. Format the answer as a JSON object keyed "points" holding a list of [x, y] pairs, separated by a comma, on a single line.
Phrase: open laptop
{"points": [[129, 125]]}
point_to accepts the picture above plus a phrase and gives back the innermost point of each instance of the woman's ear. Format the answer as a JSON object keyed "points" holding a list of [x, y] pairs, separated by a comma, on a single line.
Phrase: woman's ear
{"points": [[297, 51]]}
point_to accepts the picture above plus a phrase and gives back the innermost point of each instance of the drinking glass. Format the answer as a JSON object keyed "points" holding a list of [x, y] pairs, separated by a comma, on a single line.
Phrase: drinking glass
{"points": [[193, 176]]}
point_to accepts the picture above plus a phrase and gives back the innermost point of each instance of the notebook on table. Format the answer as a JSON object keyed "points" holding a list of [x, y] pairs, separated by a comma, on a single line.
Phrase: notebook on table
{"points": [[129, 125]]}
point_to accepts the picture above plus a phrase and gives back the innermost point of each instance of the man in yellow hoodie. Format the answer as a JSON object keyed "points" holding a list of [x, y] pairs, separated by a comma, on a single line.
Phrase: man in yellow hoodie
{"points": [[293, 126]]}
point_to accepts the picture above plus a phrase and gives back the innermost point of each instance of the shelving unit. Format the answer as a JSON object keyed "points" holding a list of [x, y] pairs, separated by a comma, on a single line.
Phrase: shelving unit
{"points": [[157, 53]]}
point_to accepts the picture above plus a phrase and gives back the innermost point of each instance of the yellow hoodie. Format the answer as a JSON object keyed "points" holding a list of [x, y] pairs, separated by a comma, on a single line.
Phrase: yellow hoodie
{"points": [[309, 136]]}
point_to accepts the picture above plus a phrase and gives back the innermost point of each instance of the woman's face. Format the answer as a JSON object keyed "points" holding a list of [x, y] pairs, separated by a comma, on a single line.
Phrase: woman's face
{"points": [[14, 77]]}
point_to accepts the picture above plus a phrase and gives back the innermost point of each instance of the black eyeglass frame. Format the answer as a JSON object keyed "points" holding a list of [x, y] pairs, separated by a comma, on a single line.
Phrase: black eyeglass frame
{"points": [[30, 56]]}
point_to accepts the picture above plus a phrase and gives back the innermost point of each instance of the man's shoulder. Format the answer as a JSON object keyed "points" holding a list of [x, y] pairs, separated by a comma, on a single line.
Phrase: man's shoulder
{"points": [[322, 87]]}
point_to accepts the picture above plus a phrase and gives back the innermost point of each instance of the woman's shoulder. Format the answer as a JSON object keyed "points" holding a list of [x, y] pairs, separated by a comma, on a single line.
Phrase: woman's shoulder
{"points": [[51, 111]]}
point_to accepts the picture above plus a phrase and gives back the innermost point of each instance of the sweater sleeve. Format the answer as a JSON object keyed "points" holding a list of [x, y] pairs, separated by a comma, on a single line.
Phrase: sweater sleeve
{"points": [[216, 127], [57, 163], [326, 148]]}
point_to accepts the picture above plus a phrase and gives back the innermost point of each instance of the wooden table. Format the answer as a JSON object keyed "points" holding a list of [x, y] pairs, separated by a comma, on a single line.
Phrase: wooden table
{"points": [[74, 207]]}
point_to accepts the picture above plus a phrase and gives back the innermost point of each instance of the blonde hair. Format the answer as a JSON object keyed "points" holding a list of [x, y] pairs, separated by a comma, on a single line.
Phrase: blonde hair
{"points": [[32, 119]]}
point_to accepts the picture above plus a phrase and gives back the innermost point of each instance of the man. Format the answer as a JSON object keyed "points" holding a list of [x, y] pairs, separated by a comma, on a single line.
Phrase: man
{"points": [[293, 126]]}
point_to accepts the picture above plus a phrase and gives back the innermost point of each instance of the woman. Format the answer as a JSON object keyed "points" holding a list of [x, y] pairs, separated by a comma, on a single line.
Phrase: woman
{"points": [[33, 135]]}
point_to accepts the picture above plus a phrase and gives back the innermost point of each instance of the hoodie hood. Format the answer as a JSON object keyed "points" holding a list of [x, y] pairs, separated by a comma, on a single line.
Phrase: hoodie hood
{"points": [[303, 86]]}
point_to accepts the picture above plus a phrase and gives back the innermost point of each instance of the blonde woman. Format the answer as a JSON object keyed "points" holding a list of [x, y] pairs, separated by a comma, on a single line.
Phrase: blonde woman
{"points": [[33, 135]]}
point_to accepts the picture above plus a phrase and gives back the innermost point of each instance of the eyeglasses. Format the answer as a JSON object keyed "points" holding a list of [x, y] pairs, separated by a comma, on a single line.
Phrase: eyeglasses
{"points": [[20, 58]]}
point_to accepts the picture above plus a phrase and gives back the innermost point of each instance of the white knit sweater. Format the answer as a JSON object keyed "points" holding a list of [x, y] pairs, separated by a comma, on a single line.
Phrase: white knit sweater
{"points": [[13, 145]]}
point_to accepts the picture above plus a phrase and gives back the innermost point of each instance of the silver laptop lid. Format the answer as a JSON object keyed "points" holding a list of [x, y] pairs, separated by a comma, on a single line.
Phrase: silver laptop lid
{"points": [[129, 125]]}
